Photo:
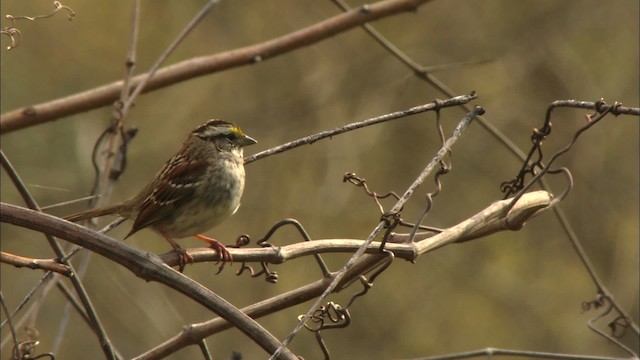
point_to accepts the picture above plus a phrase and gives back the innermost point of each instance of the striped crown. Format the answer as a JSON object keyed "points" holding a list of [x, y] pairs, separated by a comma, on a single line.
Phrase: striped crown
{"points": [[217, 128]]}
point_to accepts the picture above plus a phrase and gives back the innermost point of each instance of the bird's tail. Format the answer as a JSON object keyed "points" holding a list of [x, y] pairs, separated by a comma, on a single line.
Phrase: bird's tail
{"points": [[93, 213]]}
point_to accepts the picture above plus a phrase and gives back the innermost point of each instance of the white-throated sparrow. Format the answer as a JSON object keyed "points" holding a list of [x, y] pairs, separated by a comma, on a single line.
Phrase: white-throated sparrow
{"points": [[199, 187]]}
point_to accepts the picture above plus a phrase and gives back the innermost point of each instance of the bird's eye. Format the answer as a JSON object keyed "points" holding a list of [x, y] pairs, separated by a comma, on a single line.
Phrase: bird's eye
{"points": [[231, 136]]}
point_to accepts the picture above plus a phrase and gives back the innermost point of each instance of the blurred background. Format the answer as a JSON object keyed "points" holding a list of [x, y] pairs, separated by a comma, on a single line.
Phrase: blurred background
{"points": [[518, 290]]}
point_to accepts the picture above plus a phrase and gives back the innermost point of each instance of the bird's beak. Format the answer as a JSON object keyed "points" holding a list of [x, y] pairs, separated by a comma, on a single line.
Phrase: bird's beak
{"points": [[246, 141]]}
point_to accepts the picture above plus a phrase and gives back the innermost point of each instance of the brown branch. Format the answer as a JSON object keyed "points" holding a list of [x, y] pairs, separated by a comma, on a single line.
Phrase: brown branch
{"points": [[42, 264], [204, 65], [486, 222], [143, 264], [425, 74], [385, 222], [107, 347], [192, 334], [436, 105], [490, 220]]}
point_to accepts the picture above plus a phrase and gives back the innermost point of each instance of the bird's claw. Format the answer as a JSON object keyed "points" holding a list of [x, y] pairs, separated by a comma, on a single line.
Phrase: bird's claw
{"points": [[183, 259]]}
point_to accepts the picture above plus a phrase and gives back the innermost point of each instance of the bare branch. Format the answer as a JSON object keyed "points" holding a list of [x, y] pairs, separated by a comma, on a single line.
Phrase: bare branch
{"points": [[490, 352], [491, 219], [446, 148], [42, 264], [495, 218], [14, 335], [97, 327], [438, 104], [204, 65], [145, 265]]}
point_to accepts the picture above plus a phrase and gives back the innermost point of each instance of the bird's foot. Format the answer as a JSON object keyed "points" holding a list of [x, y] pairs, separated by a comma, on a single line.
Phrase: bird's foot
{"points": [[183, 257], [225, 255]]}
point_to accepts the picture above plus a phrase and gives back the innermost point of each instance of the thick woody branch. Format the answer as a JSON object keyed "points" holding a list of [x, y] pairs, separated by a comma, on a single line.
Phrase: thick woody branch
{"points": [[204, 65], [145, 265], [486, 222], [490, 220]]}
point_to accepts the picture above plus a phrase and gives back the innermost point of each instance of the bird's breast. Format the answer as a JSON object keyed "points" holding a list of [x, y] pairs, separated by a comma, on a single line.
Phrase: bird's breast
{"points": [[214, 201]]}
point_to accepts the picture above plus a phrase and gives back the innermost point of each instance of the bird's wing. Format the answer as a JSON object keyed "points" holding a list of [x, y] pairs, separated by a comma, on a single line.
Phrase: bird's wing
{"points": [[176, 184]]}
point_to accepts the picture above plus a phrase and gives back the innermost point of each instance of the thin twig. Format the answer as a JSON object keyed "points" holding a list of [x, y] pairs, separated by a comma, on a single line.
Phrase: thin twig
{"points": [[490, 352], [464, 123], [141, 85], [130, 63], [48, 276], [454, 101], [425, 74], [601, 109], [103, 183], [28, 297], [205, 350], [14, 334], [105, 343], [69, 202], [73, 300], [81, 270], [143, 264], [14, 33], [42, 264]]}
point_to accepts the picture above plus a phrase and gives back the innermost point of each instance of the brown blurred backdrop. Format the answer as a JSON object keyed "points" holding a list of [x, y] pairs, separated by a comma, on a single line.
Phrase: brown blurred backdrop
{"points": [[520, 290]]}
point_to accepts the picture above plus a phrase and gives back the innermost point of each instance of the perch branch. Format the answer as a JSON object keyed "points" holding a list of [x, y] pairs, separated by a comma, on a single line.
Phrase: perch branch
{"points": [[490, 220], [145, 265]]}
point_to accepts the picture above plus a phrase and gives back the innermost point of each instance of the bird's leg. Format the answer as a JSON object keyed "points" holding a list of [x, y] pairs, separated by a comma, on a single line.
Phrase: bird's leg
{"points": [[225, 255], [183, 257]]}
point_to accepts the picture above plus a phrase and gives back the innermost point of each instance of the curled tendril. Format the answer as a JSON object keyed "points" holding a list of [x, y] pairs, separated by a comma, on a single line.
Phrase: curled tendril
{"points": [[619, 326], [270, 276], [332, 316], [368, 283], [25, 351], [305, 235], [391, 221], [539, 135], [14, 33], [361, 182], [57, 6], [242, 240], [598, 302], [532, 164], [394, 220]]}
